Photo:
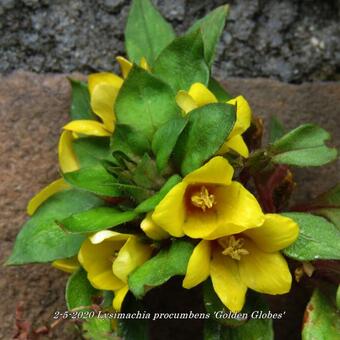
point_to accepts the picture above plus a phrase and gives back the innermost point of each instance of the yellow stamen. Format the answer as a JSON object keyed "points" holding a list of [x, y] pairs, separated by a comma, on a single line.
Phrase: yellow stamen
{"points": [[233, 247], [203, 199]]}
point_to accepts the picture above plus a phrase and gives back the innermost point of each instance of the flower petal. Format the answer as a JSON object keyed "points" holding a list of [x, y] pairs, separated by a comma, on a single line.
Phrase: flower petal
{"points": [[102, 235], [238, 210], [236, 144], [112, 79], [119, 298], [102, 101], [144, 64], [276, 233], [87, 127], [45, 193], [152, 230], [226, 281], [133, 254], [200, 224], [69, 265], [201, 95], [169, 214], [68, 161], [125, 65], [264, 272], [185, 101], [198, 269], [243, 115], [96, 259], [216, 171]]}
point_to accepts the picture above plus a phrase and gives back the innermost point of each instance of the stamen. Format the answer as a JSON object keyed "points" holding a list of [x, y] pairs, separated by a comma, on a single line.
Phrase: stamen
{"points": [[233, 247], [203, 199]]}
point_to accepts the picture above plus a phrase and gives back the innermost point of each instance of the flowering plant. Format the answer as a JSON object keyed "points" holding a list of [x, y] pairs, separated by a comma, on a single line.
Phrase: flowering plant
{"points": [[163, 174]]}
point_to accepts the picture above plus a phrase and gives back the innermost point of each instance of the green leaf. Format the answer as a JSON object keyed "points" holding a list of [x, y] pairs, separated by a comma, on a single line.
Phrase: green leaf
{"points": [[160, 268], [133, 329], [182, 63], [206, 131], [96, 219], [41, 239], [146, 174], [218, 90], [165, 140], [129, 141], [146, 32], [91, 150], [321, 319], [318, 239], [211, 26], [153, 201], [276, 129], [79, 291], [98, 329], [80, 105], [304, 146], [328, 205], [94, 179], [145, 103]]}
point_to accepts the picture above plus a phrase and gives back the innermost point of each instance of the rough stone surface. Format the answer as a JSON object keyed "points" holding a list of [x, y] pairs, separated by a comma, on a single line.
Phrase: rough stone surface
{"points": [[290, 40], [32, 110]]}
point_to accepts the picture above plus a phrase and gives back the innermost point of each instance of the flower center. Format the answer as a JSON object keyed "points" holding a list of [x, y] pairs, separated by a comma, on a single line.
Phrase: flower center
{"points": [[233, 247], [203, 199]]}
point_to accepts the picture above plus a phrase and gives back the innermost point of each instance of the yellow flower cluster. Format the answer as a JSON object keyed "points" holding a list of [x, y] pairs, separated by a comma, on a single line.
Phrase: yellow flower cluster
{"points": [[238, 245]]}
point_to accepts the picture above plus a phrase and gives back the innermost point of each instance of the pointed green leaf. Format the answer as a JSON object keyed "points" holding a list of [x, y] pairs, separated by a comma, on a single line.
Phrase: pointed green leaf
{"points": [[145, 103], [276, 129], [218, 90], [182, 63], [91, 150], [146, 32], [160, 268], [80, 104], [206, 131], [129, 141], [96, 219], [318, 239], [321, 319], [79, 291], [328, 205], [146, 174], [41, 239], [212, 26], [153, 201], [304, 146], [165, 140], [98, 329], [94, 179]]}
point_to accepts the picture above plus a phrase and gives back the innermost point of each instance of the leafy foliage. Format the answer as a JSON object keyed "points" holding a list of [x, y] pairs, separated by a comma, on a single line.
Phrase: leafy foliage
{"points": [[41, 239], [160, 268], [318, 239], [304, 146]]}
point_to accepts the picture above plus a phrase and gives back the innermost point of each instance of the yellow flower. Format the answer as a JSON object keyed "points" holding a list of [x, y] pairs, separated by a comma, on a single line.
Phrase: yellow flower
{"points": [[68, 265], [208, 204], [198, 95], [250, 259], [109, 257], [103, 88], [152, 230]]}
